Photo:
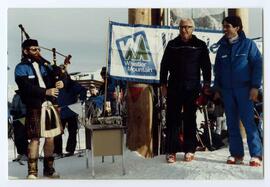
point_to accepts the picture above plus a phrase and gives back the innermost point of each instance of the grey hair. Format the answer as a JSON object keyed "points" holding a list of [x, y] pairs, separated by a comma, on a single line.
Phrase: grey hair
{"points": [[189, 20]]}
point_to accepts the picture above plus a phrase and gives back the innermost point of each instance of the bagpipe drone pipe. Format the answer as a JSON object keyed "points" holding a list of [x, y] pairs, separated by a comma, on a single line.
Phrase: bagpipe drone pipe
{"points": [[58, 71]]}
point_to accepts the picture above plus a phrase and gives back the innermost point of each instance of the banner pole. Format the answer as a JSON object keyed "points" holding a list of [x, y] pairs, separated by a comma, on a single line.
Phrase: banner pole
{"points": [[107, 64]]}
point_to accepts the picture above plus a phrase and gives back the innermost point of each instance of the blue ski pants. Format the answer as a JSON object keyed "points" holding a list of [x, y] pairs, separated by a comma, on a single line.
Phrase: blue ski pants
{"points": [[238, 107]]}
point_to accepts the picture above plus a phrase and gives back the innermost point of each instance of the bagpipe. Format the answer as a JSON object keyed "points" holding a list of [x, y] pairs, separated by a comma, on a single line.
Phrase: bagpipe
{"points": [[57, 70]]}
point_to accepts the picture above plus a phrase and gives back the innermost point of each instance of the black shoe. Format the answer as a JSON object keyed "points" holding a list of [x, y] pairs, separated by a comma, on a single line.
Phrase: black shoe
{"points": [[48, 170], [20, 158], [69, 154], [58, 155], [224, 134], [51, 173]]}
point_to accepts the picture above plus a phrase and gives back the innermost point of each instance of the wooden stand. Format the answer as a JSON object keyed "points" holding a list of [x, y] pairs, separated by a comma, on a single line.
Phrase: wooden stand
{"points": [[106, 140]]}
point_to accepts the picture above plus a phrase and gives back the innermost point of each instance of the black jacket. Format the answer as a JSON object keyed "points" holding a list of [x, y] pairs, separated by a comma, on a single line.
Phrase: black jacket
{"points": [[17, 109], [184, 60]]}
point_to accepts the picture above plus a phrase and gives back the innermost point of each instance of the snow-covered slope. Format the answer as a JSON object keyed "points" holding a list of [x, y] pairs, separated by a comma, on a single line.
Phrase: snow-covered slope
{"points": [[207, 166]]}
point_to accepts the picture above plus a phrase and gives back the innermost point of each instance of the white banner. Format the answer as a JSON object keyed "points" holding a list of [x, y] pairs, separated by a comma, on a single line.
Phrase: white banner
{"points": [[135, 51]]}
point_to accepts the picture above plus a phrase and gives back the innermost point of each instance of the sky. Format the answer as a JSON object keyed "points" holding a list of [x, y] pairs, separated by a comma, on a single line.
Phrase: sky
{"points": [[80, 32]]}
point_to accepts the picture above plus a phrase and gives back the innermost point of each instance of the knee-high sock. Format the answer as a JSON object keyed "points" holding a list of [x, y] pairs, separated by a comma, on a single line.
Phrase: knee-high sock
{"points": [[33, 148], [48, 147]]}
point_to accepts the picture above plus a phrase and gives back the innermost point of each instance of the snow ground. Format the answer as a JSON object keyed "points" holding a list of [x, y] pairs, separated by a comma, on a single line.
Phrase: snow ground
{"points": [[207, 166]]}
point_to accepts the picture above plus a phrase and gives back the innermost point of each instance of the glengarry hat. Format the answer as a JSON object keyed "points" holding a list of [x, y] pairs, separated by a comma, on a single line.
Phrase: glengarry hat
{"points": [[29, 42]]}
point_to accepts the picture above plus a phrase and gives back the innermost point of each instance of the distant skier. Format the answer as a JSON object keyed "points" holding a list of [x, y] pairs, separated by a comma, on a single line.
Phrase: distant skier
{"points": [[18, 112], [115, 91]]}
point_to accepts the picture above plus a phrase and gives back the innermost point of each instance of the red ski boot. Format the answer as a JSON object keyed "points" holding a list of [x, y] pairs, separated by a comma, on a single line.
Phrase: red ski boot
{"points": [[255, 162], [171, 158], [235, 160]]}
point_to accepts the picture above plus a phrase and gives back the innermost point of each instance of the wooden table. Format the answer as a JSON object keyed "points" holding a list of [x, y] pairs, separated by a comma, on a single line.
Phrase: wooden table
{"points": [[106, 140]]}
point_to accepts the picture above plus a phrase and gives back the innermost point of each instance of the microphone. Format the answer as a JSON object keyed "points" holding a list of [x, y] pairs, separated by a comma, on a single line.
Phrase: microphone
{"points": [[83, 75]]}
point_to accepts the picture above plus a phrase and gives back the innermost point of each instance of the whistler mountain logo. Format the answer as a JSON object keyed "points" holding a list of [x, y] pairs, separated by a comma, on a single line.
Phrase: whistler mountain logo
{"points": [[135, 55]]}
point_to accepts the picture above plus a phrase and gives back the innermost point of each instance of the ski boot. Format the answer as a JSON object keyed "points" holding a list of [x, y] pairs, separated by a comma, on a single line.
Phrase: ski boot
{"points": [[189, 157], [48, 170], [32, 168], [235, 160], [171, 158], [255, 161]]}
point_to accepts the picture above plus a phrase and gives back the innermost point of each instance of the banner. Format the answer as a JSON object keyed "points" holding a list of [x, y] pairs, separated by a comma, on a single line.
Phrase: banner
{"points": [[135, 51]]}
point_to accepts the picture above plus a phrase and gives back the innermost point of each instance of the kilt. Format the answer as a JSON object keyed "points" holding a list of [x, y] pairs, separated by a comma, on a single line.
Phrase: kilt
{"points": [[33, 123]]}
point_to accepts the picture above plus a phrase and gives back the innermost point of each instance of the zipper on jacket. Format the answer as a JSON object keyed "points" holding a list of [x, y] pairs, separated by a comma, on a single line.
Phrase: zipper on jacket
{"points": [[231, 60]]}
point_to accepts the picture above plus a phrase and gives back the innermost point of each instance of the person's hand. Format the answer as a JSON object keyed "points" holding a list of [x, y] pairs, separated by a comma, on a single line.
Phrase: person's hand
{"points": [[216, 96], [115, 95], [118, 96], [121, 96], [164, 90], [59, 84], [253, 94], [108, 107], [52, 92]]}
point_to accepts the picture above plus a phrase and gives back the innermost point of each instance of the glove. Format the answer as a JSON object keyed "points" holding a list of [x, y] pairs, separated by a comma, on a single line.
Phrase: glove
{"points": [[206, 89]]}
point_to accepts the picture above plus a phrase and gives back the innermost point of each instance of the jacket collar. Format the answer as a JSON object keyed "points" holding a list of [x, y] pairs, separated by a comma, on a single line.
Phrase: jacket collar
{"points": [[27, 60], [178, 39], [224, 40]]}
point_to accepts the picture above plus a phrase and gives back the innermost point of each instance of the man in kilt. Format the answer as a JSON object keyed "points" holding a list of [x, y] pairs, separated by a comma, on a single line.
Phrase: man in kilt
{"points": [[35, 79]]}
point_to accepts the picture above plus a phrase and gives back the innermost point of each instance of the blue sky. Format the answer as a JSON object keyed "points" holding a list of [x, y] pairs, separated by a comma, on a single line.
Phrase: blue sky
{"points": [[79, 32]]}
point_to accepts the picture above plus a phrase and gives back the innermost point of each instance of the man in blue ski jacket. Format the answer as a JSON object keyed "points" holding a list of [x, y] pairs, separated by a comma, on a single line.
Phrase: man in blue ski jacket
{"points": [[238, 76], [115, 91], [67, 96]]}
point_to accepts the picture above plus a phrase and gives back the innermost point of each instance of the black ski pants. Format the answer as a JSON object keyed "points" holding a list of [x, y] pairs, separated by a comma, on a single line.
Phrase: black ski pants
{"points": [[72, 127], [181, 109], [20, 137]]}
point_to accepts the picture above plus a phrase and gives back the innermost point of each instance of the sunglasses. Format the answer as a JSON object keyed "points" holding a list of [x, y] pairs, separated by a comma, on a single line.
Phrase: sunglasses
{"points": [[34, 49], [185, 27]]}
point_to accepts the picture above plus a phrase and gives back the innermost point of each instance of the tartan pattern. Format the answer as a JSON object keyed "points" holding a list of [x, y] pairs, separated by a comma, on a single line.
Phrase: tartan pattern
{"points": [[32, 123]]}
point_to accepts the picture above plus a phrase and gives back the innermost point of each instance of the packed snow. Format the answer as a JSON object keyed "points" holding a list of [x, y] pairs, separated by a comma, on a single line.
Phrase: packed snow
{"points": [[207, 166]]}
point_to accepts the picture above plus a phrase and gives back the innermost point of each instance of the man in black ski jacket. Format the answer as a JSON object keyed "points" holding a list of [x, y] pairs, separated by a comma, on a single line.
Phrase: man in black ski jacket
{"points": [[184, 59]]}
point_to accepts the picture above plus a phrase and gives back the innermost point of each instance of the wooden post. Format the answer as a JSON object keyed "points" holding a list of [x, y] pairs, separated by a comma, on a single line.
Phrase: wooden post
{"points": [[139, 16], [140, 102]]}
